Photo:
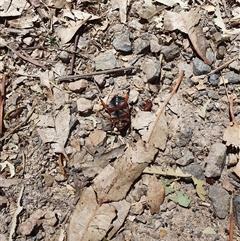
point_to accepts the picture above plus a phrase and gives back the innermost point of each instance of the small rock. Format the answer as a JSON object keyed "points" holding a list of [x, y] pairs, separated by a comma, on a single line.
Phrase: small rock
{"points": [[155, 47], [133, 96], [171, 205], [235, 66], [186, 159], [137, 208], [195, 170], [170, 52], [213, 95], [184, 136], [215, 160], [84, 106], [3, 202], [64, 56], [200, 68], [122, 42], [78, 86], [96, 138], [151, 67], [214, 79], [60, 178], [100, 79], [236, 209], [176, 153], [232, 77], [220, 200], [28, 40], [221, 50], [140, 46], [106, 60]]}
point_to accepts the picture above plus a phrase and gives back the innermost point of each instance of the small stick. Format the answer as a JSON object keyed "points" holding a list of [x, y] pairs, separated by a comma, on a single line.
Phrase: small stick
{"points": [[90, 75], [18, 126], [26, 57], [222, 66], [2, 98], [231, 111], [180, 77], [73, 54]]}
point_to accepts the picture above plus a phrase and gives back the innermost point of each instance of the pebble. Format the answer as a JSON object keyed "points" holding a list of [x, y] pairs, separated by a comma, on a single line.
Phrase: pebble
{"points": [[100, 79], [140, 46], [194, 169], [232, 77], [214, 79], [64, 56], [84, 105], [151, 67], [3, 202], [221, 50], [78, 86], [133, 96], [236, 209], [199, 67], [96, 138], [170, 52], [122, 42], [215, 160], [176, 153], [184, 136], [155, 47], [106, 60], [235, 66], [186, 159], [220, 200], [213, 95]]}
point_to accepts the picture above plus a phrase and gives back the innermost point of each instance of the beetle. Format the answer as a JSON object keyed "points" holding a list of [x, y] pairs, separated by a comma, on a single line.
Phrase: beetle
{"points": [[118, 112]]}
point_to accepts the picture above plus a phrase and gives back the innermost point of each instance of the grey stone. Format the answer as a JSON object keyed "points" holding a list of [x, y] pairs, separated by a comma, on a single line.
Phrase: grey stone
{"points": [[122, 42], [200, 68], [186, 159], [194, 169], [140, 46], [214, 79], [221, 50], [151, 67], [106, 60], [100, 79], [235, 66], [220, 200], [170, 52], [232, 77], [215, 160], [213, 94], [236, 209], [184, 136], [64, 56], [84, 106], [176, 153]]}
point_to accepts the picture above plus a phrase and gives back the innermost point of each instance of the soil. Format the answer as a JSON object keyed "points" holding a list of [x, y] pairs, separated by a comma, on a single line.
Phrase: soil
{"points": [[57, 136]]}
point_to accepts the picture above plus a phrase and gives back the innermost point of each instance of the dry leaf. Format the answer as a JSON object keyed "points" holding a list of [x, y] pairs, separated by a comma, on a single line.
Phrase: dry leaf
{"points": [[122, 208], [90, 221], [155, 194], [66, 34], [199, 188], [12, 8], [188, 22], [11, 167], [113, 183], [232, 135]]}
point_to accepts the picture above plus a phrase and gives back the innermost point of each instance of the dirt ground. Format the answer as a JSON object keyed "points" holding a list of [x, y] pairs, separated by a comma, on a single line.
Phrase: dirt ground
{"points": [[119, 120]]}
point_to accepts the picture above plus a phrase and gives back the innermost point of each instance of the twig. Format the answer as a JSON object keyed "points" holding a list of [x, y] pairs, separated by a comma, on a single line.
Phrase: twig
{"points": [[222, 66], [165, 104], [90, 75], [2, 98], [231, 111], [231, 222], [14, 219], [73, 54], [18, 126], [26, 57]]}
